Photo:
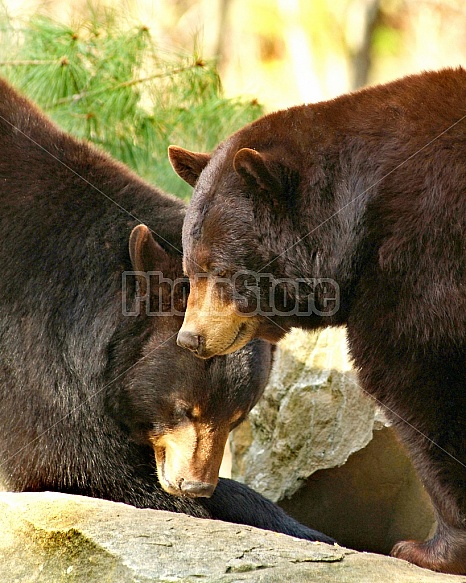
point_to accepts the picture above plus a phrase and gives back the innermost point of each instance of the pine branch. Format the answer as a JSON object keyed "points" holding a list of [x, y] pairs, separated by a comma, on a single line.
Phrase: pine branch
{"points": [[113, 85], [92, 93], [28, 62]]}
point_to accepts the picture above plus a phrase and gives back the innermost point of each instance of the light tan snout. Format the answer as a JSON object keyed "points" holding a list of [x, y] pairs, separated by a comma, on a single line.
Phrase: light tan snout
{"points": [[189, 457]]}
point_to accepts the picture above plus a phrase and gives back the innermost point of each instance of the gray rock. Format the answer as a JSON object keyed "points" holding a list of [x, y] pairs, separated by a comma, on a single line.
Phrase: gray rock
{"points": [[369, 503], [52, 538], [312, 416]]}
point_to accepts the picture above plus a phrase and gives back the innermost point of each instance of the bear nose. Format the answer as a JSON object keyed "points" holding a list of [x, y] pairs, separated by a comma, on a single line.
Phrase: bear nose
{"points": [[197, 489], [189, 340]]}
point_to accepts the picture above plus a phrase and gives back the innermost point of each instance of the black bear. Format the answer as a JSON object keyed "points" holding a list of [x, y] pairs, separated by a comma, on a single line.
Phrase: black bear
{"points": [[350, 212], [96, 397]]}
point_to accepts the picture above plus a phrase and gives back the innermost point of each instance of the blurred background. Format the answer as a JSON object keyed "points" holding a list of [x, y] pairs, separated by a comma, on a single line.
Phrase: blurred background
{"points": [[192, 71], [285, 52]]}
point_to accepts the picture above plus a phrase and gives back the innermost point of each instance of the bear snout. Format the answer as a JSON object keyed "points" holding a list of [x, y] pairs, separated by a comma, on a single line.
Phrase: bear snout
{"points": [[188, 458]]}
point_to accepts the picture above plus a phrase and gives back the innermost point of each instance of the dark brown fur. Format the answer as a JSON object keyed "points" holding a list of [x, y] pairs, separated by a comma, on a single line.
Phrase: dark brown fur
{"points": [[86, 392], [367, 190]]}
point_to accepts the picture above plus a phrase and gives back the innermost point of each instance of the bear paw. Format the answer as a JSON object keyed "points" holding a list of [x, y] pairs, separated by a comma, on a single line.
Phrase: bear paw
{"points": [[434, 554]]}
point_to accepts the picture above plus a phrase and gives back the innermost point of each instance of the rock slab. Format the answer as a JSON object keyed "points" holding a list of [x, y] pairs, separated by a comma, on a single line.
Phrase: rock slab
{"points": [[313, 416], [52, 537]]}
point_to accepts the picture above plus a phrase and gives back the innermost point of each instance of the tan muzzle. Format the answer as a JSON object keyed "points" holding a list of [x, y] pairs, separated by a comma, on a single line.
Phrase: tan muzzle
{"points": [[188, 458], [212, 323]]}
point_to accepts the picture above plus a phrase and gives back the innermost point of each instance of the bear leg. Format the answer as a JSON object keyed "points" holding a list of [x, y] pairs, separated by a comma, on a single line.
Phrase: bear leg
{"points": [[423, 394], [438, 455]]}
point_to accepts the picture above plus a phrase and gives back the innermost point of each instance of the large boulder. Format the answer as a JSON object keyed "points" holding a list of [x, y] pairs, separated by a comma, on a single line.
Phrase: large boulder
{"points": [[321, 447], [312, 416], [51, 537]]}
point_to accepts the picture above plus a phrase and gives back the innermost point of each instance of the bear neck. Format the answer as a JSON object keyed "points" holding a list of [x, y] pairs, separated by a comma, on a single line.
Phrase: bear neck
{"points": [[322, 227]]}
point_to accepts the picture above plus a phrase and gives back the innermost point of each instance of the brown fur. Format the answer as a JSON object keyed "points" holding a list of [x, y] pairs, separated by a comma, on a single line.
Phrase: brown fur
{"points": [[208, 308], [192, 452], [366, 191], [84, 385]]}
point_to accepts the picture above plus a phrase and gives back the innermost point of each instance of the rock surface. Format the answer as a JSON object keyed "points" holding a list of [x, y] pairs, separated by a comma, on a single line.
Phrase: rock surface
{"points": [[369, 503], [50, 538]]}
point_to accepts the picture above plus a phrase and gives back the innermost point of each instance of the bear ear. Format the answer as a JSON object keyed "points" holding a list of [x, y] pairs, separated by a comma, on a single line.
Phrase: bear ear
{"points": [[257, 171], [188, 165], [145, 253]]}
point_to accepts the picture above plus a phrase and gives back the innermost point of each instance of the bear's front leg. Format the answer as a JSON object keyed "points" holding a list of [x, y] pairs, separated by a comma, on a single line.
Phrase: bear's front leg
{"points": [[423, 393], [436, 443]]}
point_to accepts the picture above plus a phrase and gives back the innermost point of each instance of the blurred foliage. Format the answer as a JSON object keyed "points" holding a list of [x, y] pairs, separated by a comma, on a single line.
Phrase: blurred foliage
{"points": [[288, 52], [106, 80]]}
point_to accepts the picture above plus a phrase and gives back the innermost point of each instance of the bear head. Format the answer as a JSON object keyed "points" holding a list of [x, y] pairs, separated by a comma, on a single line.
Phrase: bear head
{"points": [[180, 406], [241, 249]]}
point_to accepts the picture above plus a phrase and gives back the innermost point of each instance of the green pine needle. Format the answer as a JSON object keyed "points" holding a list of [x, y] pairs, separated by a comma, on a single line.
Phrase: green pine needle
{"points": [[109, 82]]}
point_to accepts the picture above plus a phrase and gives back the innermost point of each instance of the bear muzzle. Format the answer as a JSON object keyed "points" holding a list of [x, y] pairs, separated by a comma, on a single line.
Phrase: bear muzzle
{"points": [[196, 489], [188, 458], [212, 323]]}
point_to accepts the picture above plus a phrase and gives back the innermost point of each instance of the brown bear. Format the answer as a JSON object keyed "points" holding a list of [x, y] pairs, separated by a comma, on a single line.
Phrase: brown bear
{"points": [[350, 212], [96, 397]]}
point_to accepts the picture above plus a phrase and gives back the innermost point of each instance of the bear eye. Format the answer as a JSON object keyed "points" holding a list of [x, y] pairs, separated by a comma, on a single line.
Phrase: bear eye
{"points": [[219, 272], [179, 413]]}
